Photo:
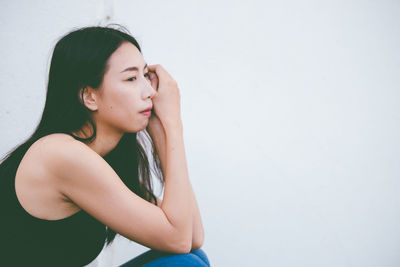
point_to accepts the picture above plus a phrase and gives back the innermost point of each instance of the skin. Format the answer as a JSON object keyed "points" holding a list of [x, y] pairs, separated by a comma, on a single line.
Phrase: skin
{"points": [[53, 183], [117, 104]]}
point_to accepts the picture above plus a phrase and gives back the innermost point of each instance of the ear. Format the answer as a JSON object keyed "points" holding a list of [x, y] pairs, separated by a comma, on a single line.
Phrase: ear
{"points": [[88, 97]]}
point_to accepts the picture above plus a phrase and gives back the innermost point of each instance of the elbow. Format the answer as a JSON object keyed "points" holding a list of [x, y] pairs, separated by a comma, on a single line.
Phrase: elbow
{"points": [[197, 243], [186, 245], [183, 247], [179, 243], [187, 248], [176, 246]]}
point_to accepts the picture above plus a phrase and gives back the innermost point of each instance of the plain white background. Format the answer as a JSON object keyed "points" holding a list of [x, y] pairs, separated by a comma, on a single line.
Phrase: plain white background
{"points": [[290, 109]]}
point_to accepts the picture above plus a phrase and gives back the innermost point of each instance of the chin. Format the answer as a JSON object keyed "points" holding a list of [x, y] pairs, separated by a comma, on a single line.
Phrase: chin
{"points": [[138, 128]]}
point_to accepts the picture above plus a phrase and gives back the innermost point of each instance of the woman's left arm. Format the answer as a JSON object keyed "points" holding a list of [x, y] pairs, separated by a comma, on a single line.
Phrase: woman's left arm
{"points": [[156, 131]]}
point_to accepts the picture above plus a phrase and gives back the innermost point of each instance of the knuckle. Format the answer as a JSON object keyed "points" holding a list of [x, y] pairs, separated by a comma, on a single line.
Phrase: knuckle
{"points": [[172, 82]]}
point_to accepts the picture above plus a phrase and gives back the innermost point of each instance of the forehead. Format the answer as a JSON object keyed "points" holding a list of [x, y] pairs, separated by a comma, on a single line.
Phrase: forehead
{"points": [[124, 56]]}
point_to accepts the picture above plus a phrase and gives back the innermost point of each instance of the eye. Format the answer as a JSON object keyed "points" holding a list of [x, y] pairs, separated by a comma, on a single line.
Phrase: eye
{"points": [[130, 79], [147, 75]]}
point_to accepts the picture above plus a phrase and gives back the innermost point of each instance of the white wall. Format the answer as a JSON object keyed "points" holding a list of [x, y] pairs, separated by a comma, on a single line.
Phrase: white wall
{"points": [[291, 117]]}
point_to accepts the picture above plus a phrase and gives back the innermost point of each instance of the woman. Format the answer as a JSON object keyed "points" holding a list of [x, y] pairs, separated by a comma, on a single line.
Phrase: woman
{"points": [[84, 175]]}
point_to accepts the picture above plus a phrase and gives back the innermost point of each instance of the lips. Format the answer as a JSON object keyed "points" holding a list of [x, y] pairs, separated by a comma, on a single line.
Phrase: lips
{"points": [[148, 109]]}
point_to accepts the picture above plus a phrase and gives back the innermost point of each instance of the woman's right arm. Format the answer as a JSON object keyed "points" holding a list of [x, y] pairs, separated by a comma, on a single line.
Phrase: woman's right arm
{"points": [[85, 178]]}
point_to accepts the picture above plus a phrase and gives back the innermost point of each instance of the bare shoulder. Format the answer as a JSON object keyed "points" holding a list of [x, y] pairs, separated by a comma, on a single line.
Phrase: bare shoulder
{"points": [[67, 158], [61, 144], [60, 137], [36, 186], [61, 151]]}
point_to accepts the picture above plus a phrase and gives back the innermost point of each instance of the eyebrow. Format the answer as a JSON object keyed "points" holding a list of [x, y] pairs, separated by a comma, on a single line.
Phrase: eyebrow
{"points": [[133, 68]]}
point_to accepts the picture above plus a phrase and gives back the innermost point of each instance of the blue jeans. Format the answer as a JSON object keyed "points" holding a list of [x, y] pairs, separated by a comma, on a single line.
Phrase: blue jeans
{"points": [[156, 258]]}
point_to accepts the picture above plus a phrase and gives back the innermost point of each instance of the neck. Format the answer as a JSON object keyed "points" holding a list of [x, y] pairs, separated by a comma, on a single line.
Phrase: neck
{"points": [[106, 139]]}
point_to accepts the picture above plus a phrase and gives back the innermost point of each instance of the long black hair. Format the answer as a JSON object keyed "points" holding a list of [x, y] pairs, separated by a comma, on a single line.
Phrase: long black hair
{"points": [[80, 59]]}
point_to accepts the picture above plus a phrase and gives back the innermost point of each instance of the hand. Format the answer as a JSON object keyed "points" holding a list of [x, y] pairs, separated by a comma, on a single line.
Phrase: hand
{"points": [[155, 128], [166, 102], [153, 80]]}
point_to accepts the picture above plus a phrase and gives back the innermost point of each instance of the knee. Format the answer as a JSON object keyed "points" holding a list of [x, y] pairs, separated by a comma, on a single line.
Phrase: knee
{"points": [[201, 255], [194, 260], [188, 259]]}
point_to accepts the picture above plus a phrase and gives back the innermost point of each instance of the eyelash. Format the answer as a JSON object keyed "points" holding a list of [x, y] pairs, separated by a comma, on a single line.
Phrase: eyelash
{"points": [[147, 75]]}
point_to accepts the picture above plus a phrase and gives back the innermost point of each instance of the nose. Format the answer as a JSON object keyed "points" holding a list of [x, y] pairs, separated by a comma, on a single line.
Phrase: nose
{"points": [[149, 91]]}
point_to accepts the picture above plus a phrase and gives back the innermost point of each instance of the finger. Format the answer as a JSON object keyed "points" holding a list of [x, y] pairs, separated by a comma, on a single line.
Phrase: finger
{"points": [[160, 71], [153, 80]]}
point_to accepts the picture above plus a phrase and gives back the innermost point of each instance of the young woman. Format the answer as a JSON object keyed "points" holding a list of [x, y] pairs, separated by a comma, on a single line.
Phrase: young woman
{"points": [[84, 175]]}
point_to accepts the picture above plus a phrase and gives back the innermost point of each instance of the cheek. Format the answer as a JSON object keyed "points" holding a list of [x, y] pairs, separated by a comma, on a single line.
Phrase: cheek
{"points": [[121, 107]]}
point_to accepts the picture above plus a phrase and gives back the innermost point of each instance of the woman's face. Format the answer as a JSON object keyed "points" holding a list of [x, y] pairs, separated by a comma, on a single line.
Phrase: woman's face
{"points": [[125, 91]]}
